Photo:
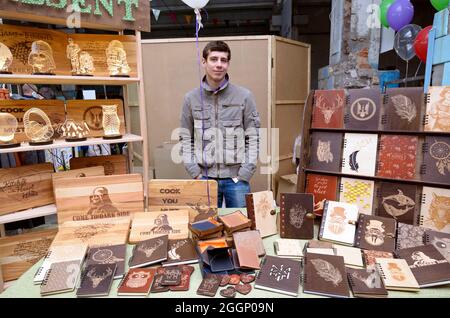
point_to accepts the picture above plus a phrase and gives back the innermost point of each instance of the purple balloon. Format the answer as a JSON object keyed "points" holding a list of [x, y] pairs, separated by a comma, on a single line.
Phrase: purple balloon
{"points": [[399, 14]]}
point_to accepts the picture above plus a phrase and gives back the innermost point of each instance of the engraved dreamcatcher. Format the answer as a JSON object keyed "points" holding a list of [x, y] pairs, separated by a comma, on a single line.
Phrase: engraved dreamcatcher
{"points": [[440, 151]]}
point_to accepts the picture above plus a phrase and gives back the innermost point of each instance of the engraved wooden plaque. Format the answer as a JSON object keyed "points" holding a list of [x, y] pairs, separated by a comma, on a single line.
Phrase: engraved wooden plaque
{"points": [[113, 165]]}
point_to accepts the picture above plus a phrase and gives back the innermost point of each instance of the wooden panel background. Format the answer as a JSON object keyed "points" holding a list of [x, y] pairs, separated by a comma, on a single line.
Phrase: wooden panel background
{"points": [[175, 63], [74, 197], [291, 85], [25, 187], [113, 165], [96, 44], [91, 112], [19, 252], [19, 39], [144, 225], [54, 109], [94, 232]]}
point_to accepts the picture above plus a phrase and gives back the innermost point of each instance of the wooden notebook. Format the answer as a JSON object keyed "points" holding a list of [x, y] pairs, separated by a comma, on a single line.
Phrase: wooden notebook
{"points": [[360, 153], [396, 274], [397, 157], [328, 108], [339, 222], [363, 109], [440, 240], [436, 159], [375, 233], [296, 216], [402, 108], [437, 109], [326, 151], [435, 209], [260, 209]]}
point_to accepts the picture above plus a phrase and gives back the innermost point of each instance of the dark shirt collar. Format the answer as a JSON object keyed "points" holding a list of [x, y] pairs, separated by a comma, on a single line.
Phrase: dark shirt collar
{"points": [[221, 87]]}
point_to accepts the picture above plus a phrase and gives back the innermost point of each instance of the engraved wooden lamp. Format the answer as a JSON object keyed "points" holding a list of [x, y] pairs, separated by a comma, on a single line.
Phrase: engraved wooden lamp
{"points": [[111, 122], [116, 58], [40, 132], [8, 126], [6, 59], [41, 58]]}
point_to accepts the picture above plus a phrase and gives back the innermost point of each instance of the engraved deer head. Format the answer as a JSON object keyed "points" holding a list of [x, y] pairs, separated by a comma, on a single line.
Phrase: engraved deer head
{"points": [[149, 250], [328, 110], [97, 279]]}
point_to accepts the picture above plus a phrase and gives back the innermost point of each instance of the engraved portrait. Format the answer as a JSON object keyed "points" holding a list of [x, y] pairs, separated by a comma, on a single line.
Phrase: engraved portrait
{"points": [[336, 223], [100, 202]]}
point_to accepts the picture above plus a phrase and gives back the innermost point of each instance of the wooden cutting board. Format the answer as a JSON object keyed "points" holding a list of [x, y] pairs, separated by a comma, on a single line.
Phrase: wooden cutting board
{"points": [[115, 164]]}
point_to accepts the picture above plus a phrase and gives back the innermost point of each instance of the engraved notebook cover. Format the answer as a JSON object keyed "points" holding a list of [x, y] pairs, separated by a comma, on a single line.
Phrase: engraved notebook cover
{"points": [[149, 252], [409, 235], [138, 281], [435, 209], [61, 277], [181, 252], [261, 211], [291, 248], [209, 285], [114, 254], [440, 240], [279, 275], [402, 108], [375, 233], [296, 216], [366, 282], [359, 192], [96, 280], [75, 252], [363, 109], [437, 116], [325, 275], [396, 274], [326, 151], [398, 201], [328, 109], [397, 157], [371, 255], [250, 238], [339, 222], [360, 153], [235, 221], [436, 159], [323, 188], [429, 267]]}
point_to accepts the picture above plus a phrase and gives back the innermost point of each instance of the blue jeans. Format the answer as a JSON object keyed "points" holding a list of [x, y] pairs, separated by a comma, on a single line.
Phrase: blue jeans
{"points": [[234, 193]]}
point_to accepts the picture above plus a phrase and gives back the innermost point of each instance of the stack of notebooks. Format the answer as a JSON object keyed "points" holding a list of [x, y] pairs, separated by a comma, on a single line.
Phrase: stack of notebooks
{"points": [[235, 222], [206, 229]]}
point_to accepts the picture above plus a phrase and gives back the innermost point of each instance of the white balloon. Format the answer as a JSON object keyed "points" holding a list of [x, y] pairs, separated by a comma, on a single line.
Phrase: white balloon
{"points": [[196, 4]]}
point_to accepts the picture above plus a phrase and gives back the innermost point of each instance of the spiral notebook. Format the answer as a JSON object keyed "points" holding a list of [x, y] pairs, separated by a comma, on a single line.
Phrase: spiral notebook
{"points": [[328, 109], [396, 274], [437, 109], [61, 277], [436, 159], [359, 192], [323, 187], [339, 222], [326, 151], [440, 240], [402, 108], [435, 209], [409, 235], [296, 216], [359, 155], [375, 233], [96, 280], [366, 282], [363, 109], [114, 254]]}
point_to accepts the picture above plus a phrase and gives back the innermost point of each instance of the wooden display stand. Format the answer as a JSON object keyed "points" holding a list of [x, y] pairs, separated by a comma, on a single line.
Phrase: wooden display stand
{"points": [[276, 70]]}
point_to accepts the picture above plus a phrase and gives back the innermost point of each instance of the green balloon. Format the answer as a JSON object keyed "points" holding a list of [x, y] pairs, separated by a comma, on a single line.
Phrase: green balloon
{"points": [[440, 4], [384, 6]]}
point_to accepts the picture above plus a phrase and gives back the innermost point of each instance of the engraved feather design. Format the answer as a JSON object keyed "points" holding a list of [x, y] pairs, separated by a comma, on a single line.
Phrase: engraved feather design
{"points": [[327, 271], [352, 161], [404, 107]]}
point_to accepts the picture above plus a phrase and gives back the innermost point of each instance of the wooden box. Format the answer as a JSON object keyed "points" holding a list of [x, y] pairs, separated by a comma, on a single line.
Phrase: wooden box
{"points": [[91, 112], [25, 187], [94, 232], [54, 109], [113, 165], [146, 225], [191, 195], [19, 252], [279, 81], [79, 199]]}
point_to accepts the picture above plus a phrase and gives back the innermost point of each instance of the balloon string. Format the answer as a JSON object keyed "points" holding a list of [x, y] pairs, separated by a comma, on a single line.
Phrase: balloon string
{"points": [[418, 68], [406, 82], [198, 25]]}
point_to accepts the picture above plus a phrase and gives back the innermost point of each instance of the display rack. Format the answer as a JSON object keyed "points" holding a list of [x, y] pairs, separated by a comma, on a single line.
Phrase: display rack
{"points": [[82, 80]]}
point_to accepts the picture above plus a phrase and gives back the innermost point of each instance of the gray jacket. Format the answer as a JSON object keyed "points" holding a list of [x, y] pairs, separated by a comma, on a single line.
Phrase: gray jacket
{"points": [[226, 129]]}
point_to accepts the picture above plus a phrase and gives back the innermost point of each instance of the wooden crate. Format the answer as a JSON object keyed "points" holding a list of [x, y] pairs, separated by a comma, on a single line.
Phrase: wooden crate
{"points": [[54, 109], [94, 232], [165, 195], [79, 199], [147, 225], [91, 112], [19, 252], [113, 165], [25, 187]]}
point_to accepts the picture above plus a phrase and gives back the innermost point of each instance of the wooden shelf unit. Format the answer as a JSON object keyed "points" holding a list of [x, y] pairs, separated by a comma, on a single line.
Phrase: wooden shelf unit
{"points": [[65, 79]]}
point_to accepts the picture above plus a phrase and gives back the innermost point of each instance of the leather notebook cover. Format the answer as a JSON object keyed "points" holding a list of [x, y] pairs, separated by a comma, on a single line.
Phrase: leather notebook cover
{"points": [[181, 252], [436, 159], [96, 280], [326, 151], [250, 238], [402, 108], [362, 110], [150, 251], [209, 285], [296, 216], [328, 109], [375, 233], [323, 187]]}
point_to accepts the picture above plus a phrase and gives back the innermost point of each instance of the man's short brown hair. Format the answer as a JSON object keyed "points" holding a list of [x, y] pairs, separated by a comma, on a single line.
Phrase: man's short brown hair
{"points": [[219, 46]]}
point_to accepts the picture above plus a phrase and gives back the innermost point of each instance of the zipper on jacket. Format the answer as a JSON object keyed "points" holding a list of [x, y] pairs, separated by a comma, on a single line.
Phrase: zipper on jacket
{"points": [[216, 105]]}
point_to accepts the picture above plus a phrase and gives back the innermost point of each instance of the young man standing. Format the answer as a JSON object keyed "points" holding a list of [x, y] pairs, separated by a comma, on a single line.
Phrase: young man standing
{"points": [[219, 132]]}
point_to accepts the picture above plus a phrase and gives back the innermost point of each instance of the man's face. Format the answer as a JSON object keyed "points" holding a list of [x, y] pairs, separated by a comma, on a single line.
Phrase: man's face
{"points": [[216, 66]]}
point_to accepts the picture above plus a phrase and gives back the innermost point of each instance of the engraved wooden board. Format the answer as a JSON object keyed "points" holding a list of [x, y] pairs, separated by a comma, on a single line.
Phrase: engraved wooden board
{"points": [[25, 187], [91, 112], [54, 109], [79, 199], [146, 225], [96, 45], [19, 40], [19, 252], [79, 173], [113, 165], [94, 232], [166, 195]]}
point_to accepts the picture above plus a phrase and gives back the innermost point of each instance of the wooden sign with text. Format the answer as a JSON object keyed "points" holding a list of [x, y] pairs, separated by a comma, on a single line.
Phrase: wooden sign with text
{"points": [[90, 198], [25, 187], [110, 15]]}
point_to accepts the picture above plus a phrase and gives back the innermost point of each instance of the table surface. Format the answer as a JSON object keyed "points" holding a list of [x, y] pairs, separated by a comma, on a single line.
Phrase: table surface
{"points": [[24, 287]]}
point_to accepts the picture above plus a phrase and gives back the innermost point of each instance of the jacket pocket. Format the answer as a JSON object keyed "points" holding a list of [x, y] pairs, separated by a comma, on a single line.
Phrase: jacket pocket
{"points": [[201, 113], [231, 112], [234, 142]]}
